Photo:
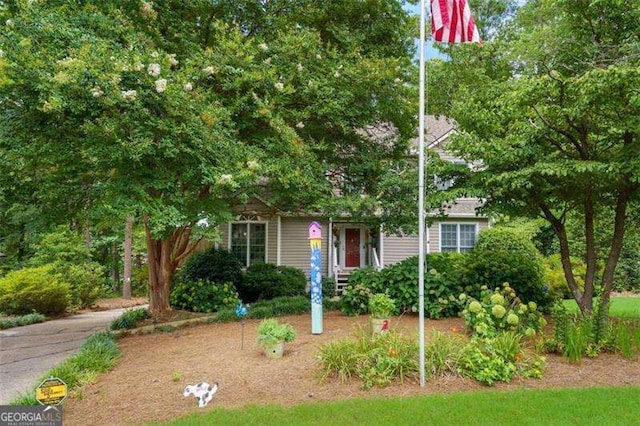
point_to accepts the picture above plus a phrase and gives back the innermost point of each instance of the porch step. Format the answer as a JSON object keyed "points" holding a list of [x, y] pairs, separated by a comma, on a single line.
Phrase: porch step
{"points": [[342, 280]]}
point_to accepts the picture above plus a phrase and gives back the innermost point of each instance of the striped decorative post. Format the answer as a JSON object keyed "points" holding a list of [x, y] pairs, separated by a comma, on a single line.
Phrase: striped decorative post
{"points": [[315, 239]]}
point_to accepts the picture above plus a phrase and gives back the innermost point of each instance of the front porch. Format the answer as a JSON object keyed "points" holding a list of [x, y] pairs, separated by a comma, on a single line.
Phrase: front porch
{"points": [[352, 246]]}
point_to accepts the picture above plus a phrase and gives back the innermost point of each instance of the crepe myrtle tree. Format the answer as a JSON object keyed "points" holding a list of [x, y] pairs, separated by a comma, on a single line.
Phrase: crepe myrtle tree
{"points": [[177, 112], [550, 107]]}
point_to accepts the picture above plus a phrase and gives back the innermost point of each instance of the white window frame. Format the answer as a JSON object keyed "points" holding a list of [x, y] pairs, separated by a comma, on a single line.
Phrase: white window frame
{"points": [[457, 225], [247, 220]]}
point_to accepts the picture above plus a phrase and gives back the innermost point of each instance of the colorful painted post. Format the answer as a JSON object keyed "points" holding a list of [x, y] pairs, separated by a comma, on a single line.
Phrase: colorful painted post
{"points": [[315, 239]]}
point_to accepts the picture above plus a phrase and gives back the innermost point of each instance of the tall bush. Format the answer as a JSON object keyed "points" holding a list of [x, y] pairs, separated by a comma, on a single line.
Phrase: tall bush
{"points": [[214, 265], [505, 255], [30, 290], [400, 281], [264, 281], [554, 276]]}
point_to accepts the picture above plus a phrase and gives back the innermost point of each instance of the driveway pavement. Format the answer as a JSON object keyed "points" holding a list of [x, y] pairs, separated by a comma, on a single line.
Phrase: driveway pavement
{"points": [[28, 352]]}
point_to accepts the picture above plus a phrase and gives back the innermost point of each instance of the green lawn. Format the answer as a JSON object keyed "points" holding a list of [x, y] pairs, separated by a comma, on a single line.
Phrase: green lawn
{"points": [[621, 307], [591, 406]]}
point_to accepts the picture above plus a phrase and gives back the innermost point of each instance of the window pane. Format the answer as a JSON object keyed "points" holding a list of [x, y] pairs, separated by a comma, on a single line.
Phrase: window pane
{"points": [[239, 242], [467, 237], [448, 237], [257, 242]]}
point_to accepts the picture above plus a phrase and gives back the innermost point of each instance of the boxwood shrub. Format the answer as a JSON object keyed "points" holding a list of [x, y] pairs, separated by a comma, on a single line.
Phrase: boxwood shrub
{"points": [[37, 289], [265, 281]]}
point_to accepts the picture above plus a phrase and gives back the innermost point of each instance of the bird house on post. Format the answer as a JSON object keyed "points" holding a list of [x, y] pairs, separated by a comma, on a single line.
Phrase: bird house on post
{"points": [[315, 240]]}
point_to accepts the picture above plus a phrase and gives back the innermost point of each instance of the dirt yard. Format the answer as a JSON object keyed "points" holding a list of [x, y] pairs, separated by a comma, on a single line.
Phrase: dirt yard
{"points": [[154, 370]]}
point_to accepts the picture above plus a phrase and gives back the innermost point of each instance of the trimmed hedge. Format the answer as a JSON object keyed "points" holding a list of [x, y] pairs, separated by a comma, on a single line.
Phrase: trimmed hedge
{"points": [[264, 281], [30, 290]]}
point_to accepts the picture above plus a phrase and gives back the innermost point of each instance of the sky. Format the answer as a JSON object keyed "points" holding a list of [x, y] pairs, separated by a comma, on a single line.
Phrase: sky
{"points": [[430, 51]]}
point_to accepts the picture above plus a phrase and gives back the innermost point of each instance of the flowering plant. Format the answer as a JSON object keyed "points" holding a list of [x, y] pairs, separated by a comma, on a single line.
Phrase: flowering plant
{"points": [[501, 310]]}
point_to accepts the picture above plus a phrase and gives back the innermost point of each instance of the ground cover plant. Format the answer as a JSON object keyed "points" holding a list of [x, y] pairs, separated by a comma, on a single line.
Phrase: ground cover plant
{"points": [[129, 319], [20, 320], [276, 307]]}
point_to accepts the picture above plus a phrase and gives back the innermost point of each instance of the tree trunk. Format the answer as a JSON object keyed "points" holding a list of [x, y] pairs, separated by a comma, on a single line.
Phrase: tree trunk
{"points": [[165, 256], [126, 286]]}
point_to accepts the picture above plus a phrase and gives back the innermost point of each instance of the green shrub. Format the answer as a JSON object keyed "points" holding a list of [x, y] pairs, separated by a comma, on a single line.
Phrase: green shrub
{"points": [[355, 299], [213, 265], [86, 282], [37, 289], [381, 306], [203, 296], [555, 279], [129, 319], [441, 286], [277, 307], [140, 280], [501, 310], [266, 281], [485, 266], [22, 320], [368, 277], [328, 288], [63, 246]]}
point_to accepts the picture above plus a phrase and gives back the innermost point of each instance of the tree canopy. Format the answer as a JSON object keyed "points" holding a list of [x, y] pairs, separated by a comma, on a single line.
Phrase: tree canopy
{"points": [[550, 107], [178, 110]]}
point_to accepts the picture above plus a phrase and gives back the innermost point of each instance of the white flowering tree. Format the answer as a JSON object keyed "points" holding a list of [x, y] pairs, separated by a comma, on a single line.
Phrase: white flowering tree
{"points": [[172, 112]]}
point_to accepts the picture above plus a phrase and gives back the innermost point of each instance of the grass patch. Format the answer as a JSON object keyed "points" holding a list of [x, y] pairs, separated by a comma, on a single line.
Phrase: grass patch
{"points": [[17, 321], [620, 307], [610, 406], [97, 355]]}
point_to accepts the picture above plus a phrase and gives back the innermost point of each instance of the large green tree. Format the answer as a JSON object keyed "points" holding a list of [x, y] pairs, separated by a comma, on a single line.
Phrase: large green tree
{"points": [[550, 107], [178, 110]]}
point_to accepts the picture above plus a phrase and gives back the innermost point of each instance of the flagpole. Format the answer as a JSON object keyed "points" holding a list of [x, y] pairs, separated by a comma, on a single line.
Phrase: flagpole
{"points": [[421, 159]]}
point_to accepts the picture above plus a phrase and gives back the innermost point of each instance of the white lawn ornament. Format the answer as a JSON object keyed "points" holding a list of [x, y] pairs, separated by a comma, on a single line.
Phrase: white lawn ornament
{"points": [[202, 391]]}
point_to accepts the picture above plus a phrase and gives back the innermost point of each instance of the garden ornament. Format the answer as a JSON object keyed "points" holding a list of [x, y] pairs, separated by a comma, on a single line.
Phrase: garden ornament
{"points": [[202, 391]]}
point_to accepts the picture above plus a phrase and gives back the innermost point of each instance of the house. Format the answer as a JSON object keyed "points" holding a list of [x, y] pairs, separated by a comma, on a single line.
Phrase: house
{"points": [[256, 235]]}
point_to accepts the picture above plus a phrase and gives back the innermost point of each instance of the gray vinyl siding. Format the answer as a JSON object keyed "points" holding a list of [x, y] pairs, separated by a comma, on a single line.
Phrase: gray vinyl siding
{"points": [[398, 248], [295, 243]]}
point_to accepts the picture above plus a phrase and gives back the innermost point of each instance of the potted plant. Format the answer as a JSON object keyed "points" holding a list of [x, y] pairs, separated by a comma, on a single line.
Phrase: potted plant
{"points": [[381, 306], [273, 335]]}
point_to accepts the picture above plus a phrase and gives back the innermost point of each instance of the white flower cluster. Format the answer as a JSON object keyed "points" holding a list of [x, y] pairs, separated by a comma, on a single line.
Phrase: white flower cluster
{"points": [[96, 92], [300, 67], [300, 125], [279, 86], [154, 70], [139, 66], [172, 60], [209, 70], [147, 10], [128, 95], [161, 85], [263, 47], [224, 179], [187, 87], [252, 164], [1, 53], [9, 23]]}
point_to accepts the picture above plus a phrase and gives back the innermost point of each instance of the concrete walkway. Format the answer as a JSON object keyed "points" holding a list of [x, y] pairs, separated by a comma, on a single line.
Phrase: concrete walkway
{"points": [[28, 352]]}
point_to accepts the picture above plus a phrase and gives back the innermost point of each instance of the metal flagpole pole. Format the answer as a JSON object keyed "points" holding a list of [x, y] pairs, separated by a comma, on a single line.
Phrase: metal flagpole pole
{"points": [[421, 194]]}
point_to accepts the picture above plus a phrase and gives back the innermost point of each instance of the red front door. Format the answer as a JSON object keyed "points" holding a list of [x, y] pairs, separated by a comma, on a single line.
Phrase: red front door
{"points": [[352, 248]]}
